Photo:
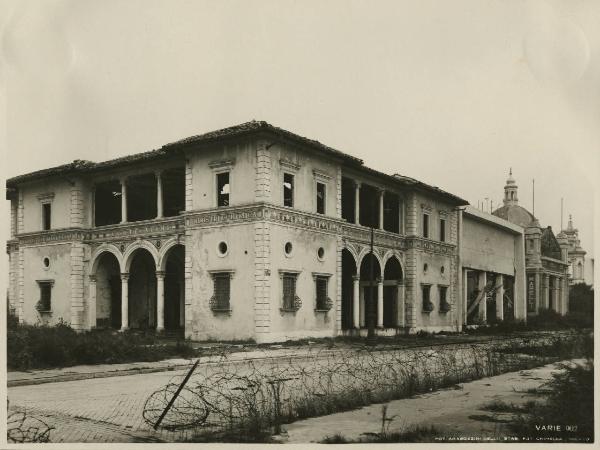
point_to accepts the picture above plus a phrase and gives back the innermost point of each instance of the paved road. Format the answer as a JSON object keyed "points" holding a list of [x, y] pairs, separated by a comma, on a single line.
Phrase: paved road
{"points": [[105, 409]]}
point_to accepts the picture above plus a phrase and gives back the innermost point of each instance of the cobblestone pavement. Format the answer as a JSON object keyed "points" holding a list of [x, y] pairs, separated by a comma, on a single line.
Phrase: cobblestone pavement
{"points": [[93, 410]]}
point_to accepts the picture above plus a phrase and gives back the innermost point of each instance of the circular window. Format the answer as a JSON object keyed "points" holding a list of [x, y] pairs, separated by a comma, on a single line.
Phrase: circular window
{"points": [[425, 266], [46, 262], [222, 248], [288, 248], [321, 253]]}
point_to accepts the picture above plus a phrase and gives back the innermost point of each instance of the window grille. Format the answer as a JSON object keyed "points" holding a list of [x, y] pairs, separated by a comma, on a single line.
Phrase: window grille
{"points": [[220, 301], [45, 302], [444, 305], [291, 301], [427, 304], [323, 303]]}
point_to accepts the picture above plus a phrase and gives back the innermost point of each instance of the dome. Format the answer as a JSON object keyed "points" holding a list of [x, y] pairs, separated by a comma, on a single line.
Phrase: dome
{"points": [[515, 214]]}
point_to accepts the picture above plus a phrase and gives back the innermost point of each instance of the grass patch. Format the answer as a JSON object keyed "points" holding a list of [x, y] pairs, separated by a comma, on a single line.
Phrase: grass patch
{"points": [[569, 404], [419, 433], [38, 347]]}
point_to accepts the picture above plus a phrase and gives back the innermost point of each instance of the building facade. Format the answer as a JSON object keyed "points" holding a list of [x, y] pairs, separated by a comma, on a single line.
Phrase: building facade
{"points": [[546, 256], [250, 232], [576, 254], [492, 254]]}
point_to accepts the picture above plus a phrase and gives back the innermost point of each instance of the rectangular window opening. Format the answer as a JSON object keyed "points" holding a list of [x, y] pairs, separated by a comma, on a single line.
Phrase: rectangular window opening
{"points": [[426, 225], [427, 305], [321, 198], [444, 306], [223, 189], [288, 190], [322, 298], [443, 230], [45, 302], [46, 216]]}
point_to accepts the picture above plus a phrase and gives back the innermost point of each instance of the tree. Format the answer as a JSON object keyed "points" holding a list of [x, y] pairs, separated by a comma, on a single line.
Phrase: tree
{"points": [[581, 298]]}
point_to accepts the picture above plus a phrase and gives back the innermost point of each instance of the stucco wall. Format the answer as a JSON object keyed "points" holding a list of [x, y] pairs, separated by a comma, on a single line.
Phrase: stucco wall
{"points": [[201, 322], [306, 168], [306, 321], [32, 209], [487, 248], [59, 270], [241, 177], [433, 275]]}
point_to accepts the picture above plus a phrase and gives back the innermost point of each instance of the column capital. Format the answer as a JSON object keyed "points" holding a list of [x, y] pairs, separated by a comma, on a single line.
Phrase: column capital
{"points": [[380, 190], [160, 274], [123, 179], [158, 172], [124, 276], [93, 278], [379, 280], [356, 277], [357, 184]]}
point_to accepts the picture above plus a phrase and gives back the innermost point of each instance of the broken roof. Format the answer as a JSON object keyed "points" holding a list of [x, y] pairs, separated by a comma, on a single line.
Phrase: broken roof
{"points": [[236, 131]]}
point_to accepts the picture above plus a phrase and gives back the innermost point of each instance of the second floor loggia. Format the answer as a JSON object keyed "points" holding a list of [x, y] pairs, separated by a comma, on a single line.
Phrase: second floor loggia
{"points": [[134, 198]]}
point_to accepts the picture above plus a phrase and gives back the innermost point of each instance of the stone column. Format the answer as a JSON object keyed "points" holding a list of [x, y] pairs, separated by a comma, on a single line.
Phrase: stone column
{"points": [[357, 203], [547, 298], [159, 195], [356, 301], [160, 300], [124, 301], [500, 297], [483, 303], [380, 302], [537, 292], [123, 200], [381, 194], [400, 305], [92, 303], [363, 312], [465, 299]]}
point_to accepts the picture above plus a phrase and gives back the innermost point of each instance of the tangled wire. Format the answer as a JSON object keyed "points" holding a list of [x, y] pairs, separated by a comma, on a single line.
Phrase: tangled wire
{"points": [[21, 428], [262, 393]]}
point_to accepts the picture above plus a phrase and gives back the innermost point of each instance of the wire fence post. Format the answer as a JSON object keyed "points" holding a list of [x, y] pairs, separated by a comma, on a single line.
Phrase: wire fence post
{"points": [[185, 380]]}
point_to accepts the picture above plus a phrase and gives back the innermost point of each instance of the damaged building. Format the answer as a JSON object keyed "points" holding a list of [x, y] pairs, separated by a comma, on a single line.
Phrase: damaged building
{"points": [[253, 232]]}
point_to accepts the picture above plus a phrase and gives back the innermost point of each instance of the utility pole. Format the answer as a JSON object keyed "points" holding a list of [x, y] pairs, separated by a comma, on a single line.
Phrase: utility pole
{"points": [[371, 322], [533, 196]]}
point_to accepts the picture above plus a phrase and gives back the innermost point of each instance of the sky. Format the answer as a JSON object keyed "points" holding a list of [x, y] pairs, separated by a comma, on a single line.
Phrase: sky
{"points": [[451, 93]]}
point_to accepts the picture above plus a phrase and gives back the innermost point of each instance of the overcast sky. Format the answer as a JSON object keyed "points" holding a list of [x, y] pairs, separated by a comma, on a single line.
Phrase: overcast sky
{"points": [[452, 93]]}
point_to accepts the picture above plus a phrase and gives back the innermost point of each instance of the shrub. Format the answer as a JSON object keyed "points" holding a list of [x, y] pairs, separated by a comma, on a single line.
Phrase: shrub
{"points": [[35, 346]]}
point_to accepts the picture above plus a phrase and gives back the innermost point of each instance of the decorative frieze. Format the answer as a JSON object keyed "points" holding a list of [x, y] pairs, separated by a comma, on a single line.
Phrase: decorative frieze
{"points": [[51, 237]]}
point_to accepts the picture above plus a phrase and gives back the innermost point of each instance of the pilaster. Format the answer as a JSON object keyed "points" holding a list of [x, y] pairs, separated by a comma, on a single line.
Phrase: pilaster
{"points": [[77, 300], [263, 172], [262, 278]]}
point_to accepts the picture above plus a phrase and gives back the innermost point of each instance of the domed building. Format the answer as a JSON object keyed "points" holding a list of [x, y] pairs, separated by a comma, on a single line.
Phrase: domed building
{"points": [[546, 255]]}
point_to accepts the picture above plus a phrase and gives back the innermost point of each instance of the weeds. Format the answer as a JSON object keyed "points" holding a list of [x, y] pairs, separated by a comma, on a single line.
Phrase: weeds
{"points": [[569, 404], [34, 346]]}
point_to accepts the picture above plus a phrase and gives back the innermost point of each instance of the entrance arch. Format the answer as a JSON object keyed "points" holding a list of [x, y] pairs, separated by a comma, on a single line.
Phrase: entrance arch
{"points": [[142, 289], [348, 275], [173, 267], [106, 271], [370, 293], [393, 295]]}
